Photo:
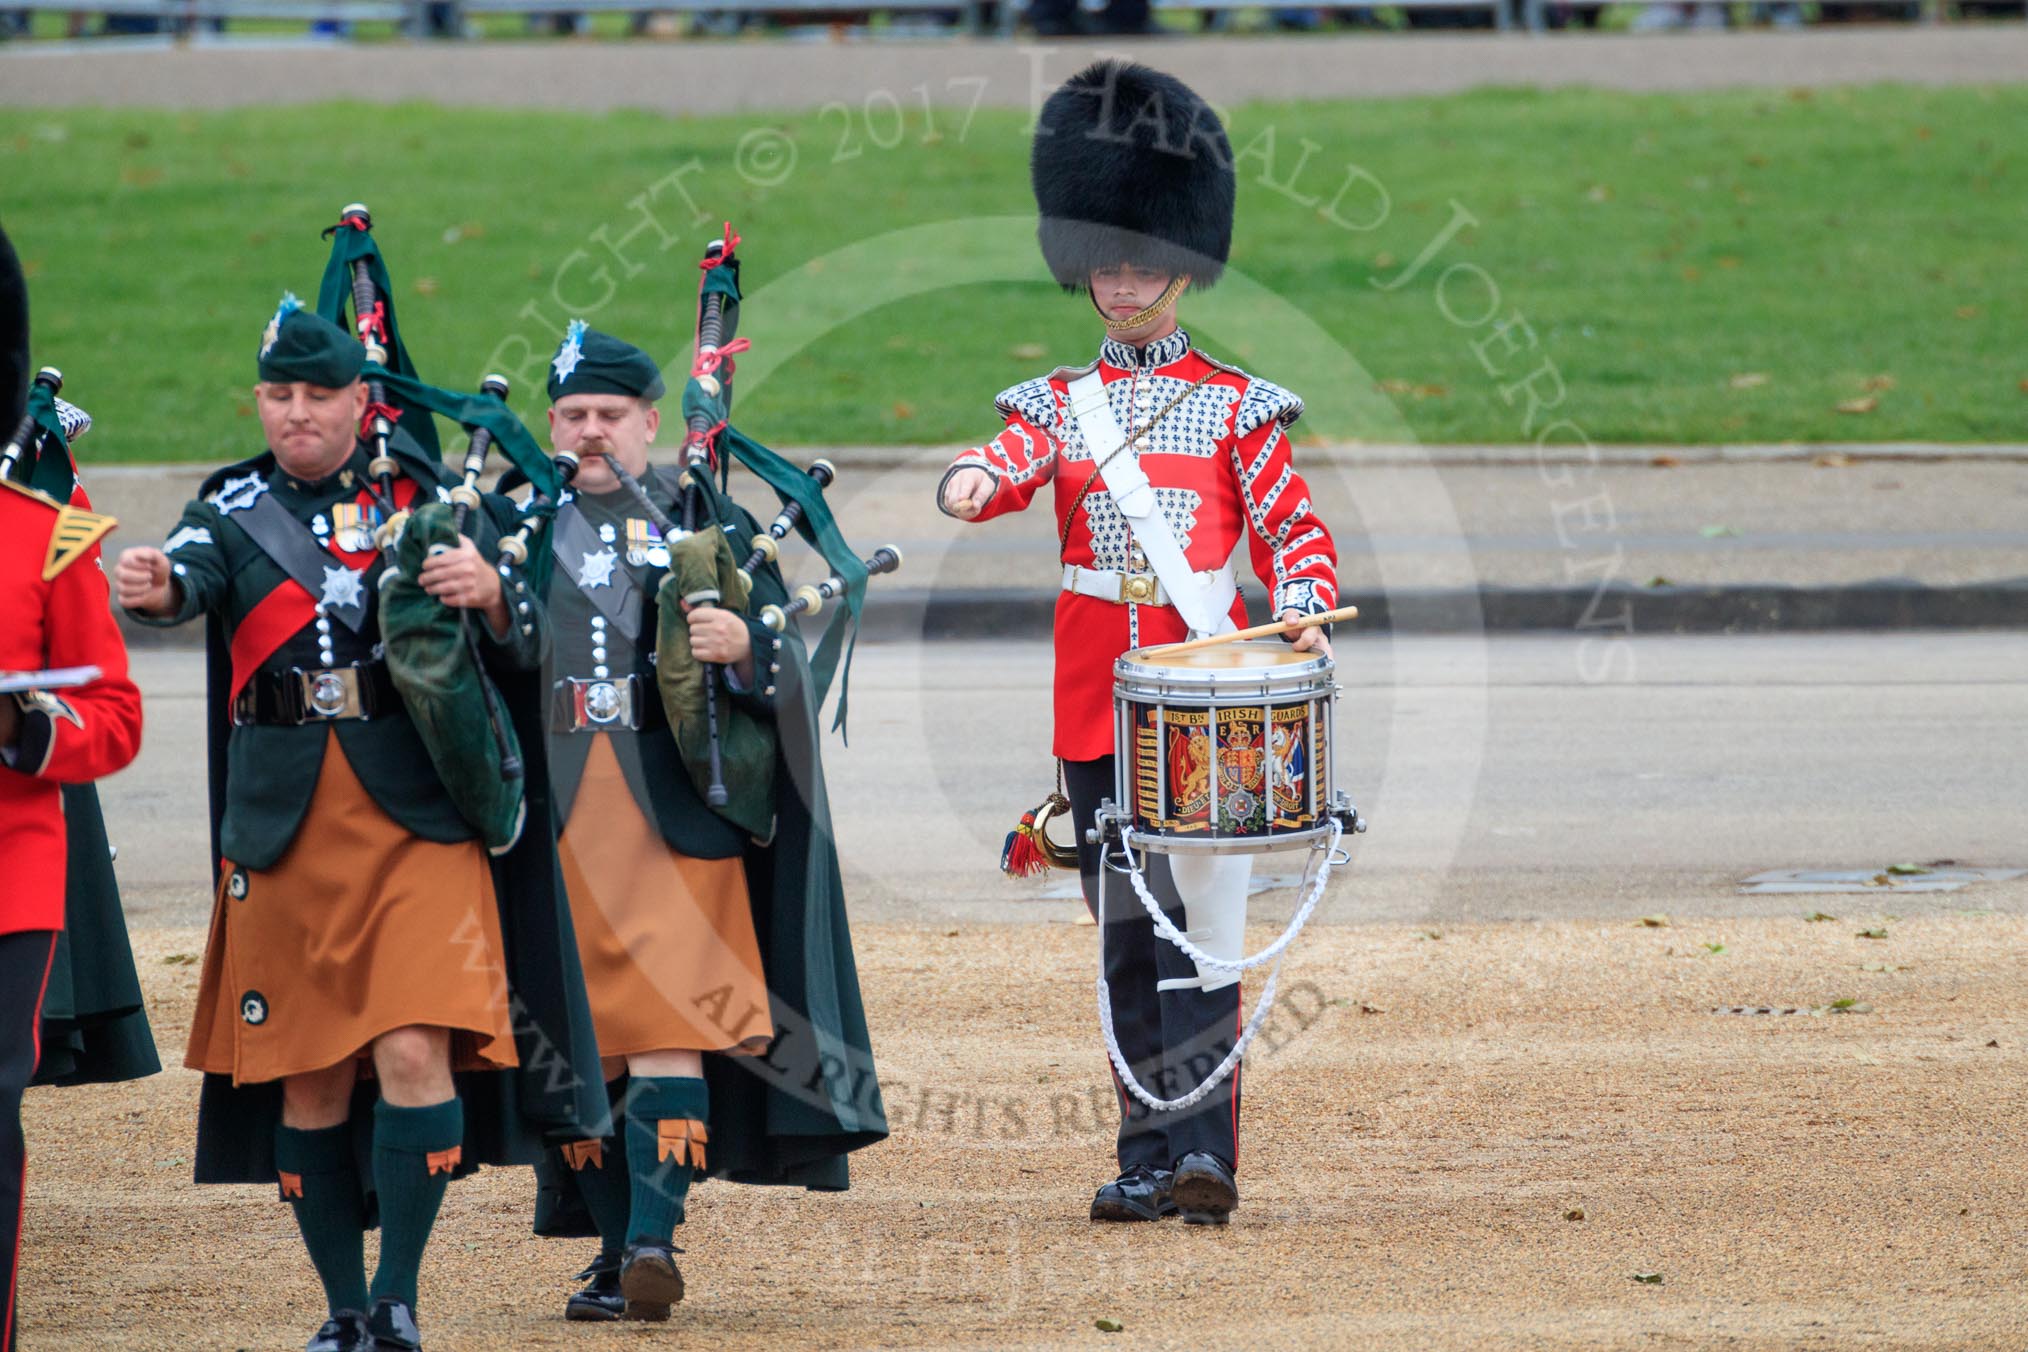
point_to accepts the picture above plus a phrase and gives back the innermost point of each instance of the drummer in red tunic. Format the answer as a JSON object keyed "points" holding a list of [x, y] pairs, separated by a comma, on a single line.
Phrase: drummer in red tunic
{"points": [[54, 614], [1163, 459]]}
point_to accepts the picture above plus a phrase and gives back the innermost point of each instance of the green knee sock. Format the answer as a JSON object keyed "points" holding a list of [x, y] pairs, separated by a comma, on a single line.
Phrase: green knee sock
{"points": [[606, 1188], [414, 1152], [665, 1150], [320, 1182]]}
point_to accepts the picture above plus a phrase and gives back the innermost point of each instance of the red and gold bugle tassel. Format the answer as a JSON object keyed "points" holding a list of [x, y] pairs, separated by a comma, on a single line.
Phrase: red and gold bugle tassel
{"points": [[1029, 851], [1020, 857]]}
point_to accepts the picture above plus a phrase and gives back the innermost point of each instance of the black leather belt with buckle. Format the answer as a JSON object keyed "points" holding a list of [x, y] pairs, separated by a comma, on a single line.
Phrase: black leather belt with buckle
{"points": [[316, 695], [602, 704]]}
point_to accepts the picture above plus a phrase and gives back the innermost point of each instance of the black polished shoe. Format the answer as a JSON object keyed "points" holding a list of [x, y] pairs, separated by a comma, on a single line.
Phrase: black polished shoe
{"points": [[344, 1331], [1204, 1190], [600, 1301], [392, 1325], [650, 1281], [1139, 1194]]}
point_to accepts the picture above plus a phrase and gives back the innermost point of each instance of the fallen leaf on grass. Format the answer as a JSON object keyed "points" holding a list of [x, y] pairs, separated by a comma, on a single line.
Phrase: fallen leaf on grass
{"points": [[1599, 192], [1831, 460], [1814, 916], [1655, 921], [1906, 870], [1748, 380], [1866, 405], [1994, 1043], [1879, 382], [1718, 532], [1665, 461], [1430, 934], [1027, 351], [1576, 1213], [179, 960], [1850, 1007], [467, 230], [1871, 934], [1107, 1325], [1882, 967], [427, 286], [904, 410], [1714, 948], [1648, 1278], [1967, 312], [1659, 581]]}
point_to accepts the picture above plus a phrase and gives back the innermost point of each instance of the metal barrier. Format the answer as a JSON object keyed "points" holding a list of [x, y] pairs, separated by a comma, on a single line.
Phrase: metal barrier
{"points": [[973, 11], [1503, 19], [440, 17]]}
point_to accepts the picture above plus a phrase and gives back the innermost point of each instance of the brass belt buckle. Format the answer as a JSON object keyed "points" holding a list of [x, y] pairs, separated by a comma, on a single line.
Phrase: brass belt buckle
{"points": [[1136, 589]]}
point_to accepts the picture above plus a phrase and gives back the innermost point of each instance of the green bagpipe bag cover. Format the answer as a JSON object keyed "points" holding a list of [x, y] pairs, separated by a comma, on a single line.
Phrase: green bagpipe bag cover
{"points": [[703, 562], [444, 689]]}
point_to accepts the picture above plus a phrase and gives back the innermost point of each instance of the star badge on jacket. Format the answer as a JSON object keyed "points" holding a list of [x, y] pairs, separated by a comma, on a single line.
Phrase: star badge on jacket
{"points": [[597, 570], [342, 590]]}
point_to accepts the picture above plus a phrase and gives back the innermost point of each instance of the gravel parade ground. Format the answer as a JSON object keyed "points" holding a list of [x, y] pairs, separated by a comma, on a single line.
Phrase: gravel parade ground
{"points": [[1429, 1115]]}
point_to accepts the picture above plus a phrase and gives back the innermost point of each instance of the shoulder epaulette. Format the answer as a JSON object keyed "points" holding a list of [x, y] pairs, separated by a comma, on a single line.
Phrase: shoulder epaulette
{"points": [[1068, 373], [1259, 401], [76, 530]]}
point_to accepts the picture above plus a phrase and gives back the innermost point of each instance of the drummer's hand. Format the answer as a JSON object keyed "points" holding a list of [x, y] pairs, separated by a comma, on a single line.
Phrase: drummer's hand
{"points": [[460, 576], [967, 492], [720, 636], [1311, 639]]}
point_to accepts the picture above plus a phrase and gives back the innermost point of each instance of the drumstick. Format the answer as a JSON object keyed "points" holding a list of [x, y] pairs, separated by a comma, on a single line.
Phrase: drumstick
{"points": [[1258, 631]]}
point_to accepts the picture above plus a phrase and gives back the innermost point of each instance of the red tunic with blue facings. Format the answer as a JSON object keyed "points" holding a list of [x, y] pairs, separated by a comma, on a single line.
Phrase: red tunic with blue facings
{"points": [[1222, 472], [88, 731]]}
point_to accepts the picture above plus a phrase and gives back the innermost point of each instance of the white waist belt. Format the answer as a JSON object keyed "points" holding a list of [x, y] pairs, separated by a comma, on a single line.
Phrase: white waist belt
{"points": [[1141, 589]]}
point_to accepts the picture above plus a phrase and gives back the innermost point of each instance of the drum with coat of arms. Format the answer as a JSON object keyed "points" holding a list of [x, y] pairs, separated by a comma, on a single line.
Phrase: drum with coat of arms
{"points": [[1224, 750]]}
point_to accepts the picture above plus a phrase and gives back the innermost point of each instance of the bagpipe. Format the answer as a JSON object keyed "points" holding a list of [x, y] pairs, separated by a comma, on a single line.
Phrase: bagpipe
{"points": [[433, 650], [38, 451], [704, 572]]}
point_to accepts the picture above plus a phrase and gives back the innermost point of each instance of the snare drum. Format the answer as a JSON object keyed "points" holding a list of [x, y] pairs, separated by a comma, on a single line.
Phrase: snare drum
{"points": [[1226, 750]]}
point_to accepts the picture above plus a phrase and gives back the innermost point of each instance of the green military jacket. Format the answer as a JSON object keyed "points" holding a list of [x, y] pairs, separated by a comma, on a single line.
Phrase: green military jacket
{"points": [[603, 614], [220, 572]]}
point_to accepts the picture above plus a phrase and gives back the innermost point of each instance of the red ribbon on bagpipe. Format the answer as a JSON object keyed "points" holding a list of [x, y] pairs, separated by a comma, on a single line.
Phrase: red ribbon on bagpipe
{"points": [[376, 410]]}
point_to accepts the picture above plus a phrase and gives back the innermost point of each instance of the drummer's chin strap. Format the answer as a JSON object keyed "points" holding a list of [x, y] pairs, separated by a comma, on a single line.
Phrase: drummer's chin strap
{"points": [[1207, 609]]}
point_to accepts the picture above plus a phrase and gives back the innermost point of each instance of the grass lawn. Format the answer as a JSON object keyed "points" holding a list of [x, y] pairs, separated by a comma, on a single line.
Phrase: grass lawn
{"points": [[1717, 267]]}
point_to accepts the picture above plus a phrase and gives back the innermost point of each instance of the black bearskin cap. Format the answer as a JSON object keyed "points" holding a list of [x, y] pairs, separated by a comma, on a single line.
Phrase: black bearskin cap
{"points": [[13, 338], [1131, 166]]}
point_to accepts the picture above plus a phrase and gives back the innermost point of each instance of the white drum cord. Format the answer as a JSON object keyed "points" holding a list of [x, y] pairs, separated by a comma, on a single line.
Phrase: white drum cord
{"points": [[1263, 1007]]}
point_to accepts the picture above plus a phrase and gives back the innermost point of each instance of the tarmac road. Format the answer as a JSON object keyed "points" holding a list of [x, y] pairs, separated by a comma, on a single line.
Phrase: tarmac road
{"points": [[1510, 777], [727, 77]]}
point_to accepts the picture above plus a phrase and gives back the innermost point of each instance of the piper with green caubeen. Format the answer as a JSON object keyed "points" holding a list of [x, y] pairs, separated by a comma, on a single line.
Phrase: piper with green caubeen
{"points": [[714, 940], [353, 1016]]}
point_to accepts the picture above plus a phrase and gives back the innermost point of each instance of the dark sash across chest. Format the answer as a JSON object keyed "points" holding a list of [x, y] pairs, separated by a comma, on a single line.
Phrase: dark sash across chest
{"points": [[597, 569]]}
